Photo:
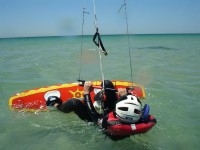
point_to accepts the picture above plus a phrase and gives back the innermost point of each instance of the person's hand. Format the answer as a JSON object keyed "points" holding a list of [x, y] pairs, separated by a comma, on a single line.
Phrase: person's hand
{"points": [[53, 101], [87, 87], [122, 91]]}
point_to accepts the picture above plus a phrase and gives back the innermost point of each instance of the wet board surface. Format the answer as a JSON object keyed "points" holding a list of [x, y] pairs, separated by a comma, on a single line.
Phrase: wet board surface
{"points": [[32, 100]]}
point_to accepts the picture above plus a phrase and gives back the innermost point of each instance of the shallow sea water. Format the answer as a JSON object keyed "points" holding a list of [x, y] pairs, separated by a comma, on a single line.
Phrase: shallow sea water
{"points": [[167, 65]]}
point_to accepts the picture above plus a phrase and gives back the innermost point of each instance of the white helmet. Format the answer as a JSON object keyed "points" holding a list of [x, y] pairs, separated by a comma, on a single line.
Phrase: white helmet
{"points": [[129, 110]]}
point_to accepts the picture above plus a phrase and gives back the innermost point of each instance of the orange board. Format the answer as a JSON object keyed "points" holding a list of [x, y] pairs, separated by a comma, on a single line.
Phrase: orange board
{"points": [[32, 100]]}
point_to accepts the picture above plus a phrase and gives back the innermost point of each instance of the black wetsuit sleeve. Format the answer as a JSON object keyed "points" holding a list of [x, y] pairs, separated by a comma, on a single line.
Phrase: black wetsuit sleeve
{"points": [[90, 108]]}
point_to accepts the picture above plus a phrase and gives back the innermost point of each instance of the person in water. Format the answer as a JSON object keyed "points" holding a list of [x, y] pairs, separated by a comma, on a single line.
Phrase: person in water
{"points": [[80, 108], [127, 110], [124, 108]]}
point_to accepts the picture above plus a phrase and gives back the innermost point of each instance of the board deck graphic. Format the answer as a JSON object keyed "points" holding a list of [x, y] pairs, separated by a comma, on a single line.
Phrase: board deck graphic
{"points": [[32, 100]]}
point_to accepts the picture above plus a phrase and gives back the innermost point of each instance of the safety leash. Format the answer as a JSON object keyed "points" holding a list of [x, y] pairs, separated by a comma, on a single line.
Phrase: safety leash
{"points": [[99, 43]]}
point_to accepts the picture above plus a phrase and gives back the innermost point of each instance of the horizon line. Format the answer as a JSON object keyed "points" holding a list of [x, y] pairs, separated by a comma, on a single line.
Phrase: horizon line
{"points": [[117, 34]]}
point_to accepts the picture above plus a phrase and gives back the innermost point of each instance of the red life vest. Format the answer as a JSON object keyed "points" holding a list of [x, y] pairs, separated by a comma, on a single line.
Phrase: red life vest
{"points": [[115, 127]]}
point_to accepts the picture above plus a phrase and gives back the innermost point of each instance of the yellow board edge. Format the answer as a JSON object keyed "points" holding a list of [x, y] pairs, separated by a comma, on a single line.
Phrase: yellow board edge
{"points": [[53, 87]]}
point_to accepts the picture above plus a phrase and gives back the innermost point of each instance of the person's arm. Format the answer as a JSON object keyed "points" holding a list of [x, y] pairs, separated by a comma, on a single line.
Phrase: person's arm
{"points": [[90, 108]]}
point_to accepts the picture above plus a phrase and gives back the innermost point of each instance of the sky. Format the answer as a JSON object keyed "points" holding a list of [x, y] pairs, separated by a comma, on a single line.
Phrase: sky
{"points": [[27, 18]]}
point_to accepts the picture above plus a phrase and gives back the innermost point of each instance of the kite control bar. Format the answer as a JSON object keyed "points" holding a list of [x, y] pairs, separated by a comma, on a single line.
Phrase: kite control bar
{"points": [[129, 90], [82, 82]]}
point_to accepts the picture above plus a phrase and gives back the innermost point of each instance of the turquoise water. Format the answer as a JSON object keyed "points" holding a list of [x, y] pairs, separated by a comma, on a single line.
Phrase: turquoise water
{"points": [[167, 65]]}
